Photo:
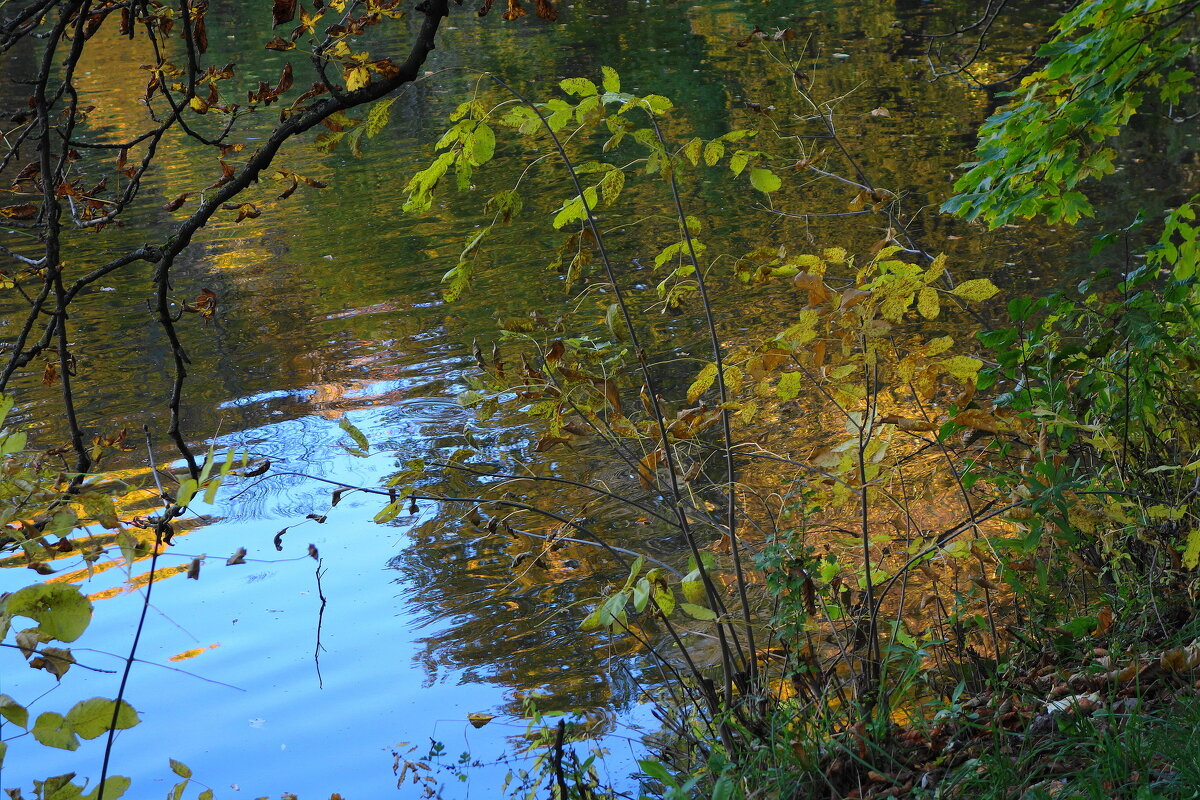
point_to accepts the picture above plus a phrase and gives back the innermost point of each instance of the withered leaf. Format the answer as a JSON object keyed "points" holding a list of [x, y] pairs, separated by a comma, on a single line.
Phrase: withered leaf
{"points": [[247, 211], [258, 469], [279, 43], [757, 34], [283, 11], [286, 193], [55, 660], [555, 353], [193, 572], [648, 466], [312, 552], [177, 203], [200, 31], [20, 211], [238, 557], [515, 11], [546, 10], [49, 375], [285, 80]]}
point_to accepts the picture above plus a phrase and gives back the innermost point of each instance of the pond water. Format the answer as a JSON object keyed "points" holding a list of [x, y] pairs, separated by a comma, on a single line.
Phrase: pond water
{"points": [[330, 310]]}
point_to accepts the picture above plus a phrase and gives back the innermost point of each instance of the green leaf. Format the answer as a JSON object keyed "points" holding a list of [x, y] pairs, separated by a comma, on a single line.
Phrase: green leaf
{"points": [[210, 491], [723, 788], [114, 787], [61, 610], [713, 151], [657, 771], [611, 81], [378, 116], [53, 730], [790, 384], [91, 718], [764, 180], [13, 711], [738, 162], [359, 438], [1191, 553], [698, 612], [483, 144], [187, 490], [664, 598], [657, 103], [641, 595], [180, 769], [578, 86], [389, 512]]}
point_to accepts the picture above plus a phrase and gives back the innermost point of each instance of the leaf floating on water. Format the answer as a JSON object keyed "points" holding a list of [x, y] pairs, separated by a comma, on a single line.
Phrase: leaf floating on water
{"points": [[478, 720], [238, 557], [195, 651], [312, 552]]}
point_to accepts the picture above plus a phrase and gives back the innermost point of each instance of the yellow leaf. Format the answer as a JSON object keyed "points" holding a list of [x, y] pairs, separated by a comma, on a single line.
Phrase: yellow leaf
{"points": [[842, 371], [976, 290], [927, 303], [357, 78], [748, 411], [835, 255], [965, 368], [702, 383], [935, 269], [733, 379], [894, 306], [808, 263], [1191, 554], [478, 720], [789, 385], [937, 346]]}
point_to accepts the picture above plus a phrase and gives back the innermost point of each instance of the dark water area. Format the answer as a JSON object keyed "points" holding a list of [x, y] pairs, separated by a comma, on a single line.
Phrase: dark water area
{"points": [[330, 309]]}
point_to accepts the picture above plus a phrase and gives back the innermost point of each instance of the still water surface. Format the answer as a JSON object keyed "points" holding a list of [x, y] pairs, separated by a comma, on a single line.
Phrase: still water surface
{"points": [[330, 310]]}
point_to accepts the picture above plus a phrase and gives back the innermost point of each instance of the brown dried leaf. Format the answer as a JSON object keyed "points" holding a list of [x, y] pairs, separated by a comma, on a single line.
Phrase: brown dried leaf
{"points": [[279, 43], [177, 203], [980, 420], [20, 211], [283, 11]]}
